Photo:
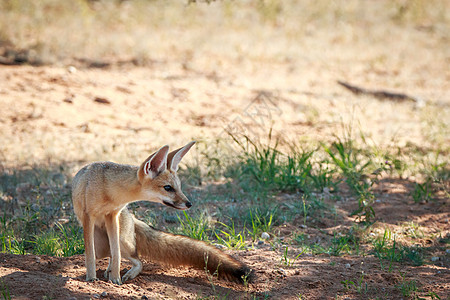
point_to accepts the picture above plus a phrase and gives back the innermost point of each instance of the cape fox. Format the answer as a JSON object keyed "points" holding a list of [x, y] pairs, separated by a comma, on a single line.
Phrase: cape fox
{"points": [[100, 193]]}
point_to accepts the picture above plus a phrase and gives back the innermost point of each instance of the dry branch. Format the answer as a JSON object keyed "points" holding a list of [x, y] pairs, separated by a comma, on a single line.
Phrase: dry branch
{"points": [[380, 94]]}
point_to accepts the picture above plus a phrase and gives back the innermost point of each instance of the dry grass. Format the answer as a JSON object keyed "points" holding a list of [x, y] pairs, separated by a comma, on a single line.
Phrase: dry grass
{"points": [[149, 30], [170, 71], [297, 49]]}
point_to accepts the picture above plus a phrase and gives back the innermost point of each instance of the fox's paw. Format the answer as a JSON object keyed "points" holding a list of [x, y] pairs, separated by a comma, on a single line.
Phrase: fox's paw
{"points": [[126, 277], [106, 274], [91, 279], [131, 274], [115, 280]]}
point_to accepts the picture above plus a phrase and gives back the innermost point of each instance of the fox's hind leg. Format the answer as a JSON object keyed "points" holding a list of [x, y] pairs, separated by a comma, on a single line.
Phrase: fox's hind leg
{"points": [[135, 269], [126, 249]]}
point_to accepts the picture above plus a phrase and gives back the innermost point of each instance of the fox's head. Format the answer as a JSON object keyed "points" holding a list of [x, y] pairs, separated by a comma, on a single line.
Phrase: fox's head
{"points": [[158, 177]]}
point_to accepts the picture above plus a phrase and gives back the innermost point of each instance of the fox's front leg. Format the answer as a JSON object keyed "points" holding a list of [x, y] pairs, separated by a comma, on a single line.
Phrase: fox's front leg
{"points": [[88, 232], [112, 228]]}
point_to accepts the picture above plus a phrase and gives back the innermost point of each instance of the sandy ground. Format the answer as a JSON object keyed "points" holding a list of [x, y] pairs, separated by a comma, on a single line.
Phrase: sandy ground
{"points": [[201, 79], [74, 114], [309, 277]]}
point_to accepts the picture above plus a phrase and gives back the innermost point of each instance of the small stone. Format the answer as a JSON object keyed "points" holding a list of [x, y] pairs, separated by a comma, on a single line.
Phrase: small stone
{"points": [[435, 258], [282, 271], [220, 246], [72, 298], [265, 235], [447, 251], [303, 226], [76, 266], [348, 266], [144, 297], [96, 296], [420, 103], [72, 69], [260, 243], [104, 294]]}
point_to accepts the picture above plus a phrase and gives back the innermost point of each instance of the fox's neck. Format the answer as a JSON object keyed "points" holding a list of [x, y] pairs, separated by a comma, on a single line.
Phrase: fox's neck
{"points": [[126, 187]]}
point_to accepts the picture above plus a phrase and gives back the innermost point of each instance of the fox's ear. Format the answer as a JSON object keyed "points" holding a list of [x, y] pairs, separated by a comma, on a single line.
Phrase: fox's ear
{"points": [[155, 164], [174, 157]]}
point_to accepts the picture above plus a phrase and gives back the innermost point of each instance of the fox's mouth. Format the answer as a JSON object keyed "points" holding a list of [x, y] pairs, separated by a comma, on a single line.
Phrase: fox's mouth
{"points": [[171, 204]]}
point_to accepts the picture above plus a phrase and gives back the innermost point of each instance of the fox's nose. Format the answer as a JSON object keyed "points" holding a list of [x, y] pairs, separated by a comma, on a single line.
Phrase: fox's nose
{"points": [[188, 204]]}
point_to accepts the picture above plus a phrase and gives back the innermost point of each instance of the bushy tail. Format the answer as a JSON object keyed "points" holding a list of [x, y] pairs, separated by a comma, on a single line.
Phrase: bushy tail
{"points": [[179, 250]]}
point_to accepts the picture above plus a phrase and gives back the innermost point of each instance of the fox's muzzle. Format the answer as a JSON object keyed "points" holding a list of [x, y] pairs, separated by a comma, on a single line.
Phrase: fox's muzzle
{"points": [[187, 205]]}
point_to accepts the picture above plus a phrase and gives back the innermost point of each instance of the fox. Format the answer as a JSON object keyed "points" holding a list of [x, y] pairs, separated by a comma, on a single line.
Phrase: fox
{"points": [[100, 194]]}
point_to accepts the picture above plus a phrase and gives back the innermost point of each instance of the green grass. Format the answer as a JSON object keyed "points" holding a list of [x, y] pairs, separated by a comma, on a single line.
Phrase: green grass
{"points": [[387, 248], [267, 168], [353, 166], [340, 244], [11, 242], [260, 221], [4, 291], [344, 244], [286, 260], [408, 287], [383, 249], [197, 226], [71, 239], [262, 188], [358, 285], [31, 224], [422, 192], [436, 173], [66, 241], [230, 238]]}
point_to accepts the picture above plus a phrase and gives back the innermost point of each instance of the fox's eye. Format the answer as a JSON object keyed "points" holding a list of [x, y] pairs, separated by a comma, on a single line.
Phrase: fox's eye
{"points": [[169, 188]]}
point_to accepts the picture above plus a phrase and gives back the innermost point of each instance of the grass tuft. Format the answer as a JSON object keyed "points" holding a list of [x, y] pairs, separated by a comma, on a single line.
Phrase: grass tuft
{"points": [[350, 161], [197, 227], [230, 238]]}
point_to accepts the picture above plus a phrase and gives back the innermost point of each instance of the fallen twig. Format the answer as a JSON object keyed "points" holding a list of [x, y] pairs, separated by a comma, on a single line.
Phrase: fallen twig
{"points": [[381, 94]]}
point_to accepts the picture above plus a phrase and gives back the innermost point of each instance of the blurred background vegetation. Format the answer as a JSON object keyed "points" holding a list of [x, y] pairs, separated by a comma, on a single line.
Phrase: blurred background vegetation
{"points": [[52, 31]]}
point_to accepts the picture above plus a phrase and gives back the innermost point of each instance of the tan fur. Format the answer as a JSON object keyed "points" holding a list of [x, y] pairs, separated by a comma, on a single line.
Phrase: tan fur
{"points": [[139, 240], [100, 193]]}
